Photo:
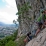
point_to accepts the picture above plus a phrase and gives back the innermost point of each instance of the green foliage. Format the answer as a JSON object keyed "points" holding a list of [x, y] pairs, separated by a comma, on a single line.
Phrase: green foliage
{"points": [[4, 41], [19, 19], [11, 43], [9, 40], [12, 37], [29, 18], [15, 34], [14, 21], [23, 9], [20, 42]]}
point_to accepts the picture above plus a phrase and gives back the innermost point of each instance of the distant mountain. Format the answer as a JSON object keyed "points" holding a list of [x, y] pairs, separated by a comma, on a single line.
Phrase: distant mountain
{"points": [[3, 24]]}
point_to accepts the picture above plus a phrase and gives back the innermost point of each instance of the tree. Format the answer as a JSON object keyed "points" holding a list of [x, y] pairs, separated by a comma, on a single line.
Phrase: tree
{"points": [[11, 43], [14, 21]]}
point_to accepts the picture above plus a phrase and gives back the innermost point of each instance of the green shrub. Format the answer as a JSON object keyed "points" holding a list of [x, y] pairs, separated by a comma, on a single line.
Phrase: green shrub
{"points": [[11, 43], [20, 42], [23, 9], [8, 38]]}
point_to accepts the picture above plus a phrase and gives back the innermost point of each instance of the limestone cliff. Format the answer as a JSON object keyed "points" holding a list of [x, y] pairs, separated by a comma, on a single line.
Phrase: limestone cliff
{"points": [[40, 40], [25, 23]]}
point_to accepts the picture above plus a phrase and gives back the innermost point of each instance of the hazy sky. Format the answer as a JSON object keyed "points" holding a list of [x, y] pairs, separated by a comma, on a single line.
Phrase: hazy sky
{"points": [[8, 11]]}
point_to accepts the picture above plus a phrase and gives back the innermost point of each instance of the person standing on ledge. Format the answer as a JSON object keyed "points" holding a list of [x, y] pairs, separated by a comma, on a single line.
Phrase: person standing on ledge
{"points": [[41, 21]]}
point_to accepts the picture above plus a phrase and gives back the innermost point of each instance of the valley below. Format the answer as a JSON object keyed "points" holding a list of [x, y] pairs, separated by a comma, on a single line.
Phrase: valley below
{"points": [[7, 30]]}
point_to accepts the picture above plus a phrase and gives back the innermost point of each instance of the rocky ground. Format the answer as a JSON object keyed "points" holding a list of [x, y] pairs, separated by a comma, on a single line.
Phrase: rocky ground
{"points": [[40, 40]]}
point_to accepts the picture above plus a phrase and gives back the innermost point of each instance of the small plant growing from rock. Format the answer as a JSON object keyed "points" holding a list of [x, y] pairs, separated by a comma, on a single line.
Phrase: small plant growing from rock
{"points": [[23, 10]]}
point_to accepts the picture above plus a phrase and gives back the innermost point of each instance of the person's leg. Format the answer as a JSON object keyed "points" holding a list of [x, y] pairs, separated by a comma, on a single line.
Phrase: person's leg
{"points": [[38, 30], [45, 22], [26, 40], [39, 25], [34, 32], [31, 37], [43, 26]]}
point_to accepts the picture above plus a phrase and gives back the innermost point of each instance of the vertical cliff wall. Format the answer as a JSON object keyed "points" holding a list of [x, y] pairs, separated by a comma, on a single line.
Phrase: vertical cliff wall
{"points": [[25, 23]]}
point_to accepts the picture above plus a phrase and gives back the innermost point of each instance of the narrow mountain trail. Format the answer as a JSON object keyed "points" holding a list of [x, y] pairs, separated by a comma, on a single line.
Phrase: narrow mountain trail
{"points": [[40, 40]]}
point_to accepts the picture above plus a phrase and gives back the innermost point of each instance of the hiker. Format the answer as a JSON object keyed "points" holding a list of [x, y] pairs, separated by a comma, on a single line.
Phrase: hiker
{"points": [[40, 22], [28, 37]]}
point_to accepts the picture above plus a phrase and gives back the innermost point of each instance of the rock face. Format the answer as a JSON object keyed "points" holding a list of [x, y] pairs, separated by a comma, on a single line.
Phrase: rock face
{"points": [[40, 40], [25, 24]]}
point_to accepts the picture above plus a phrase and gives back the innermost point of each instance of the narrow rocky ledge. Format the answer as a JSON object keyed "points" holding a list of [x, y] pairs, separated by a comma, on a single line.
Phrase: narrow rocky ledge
{"points": [[40, 40]]}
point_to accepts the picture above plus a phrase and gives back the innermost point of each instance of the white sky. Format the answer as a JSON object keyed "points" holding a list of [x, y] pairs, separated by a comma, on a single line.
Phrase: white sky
{"points": [[8, 12]]}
